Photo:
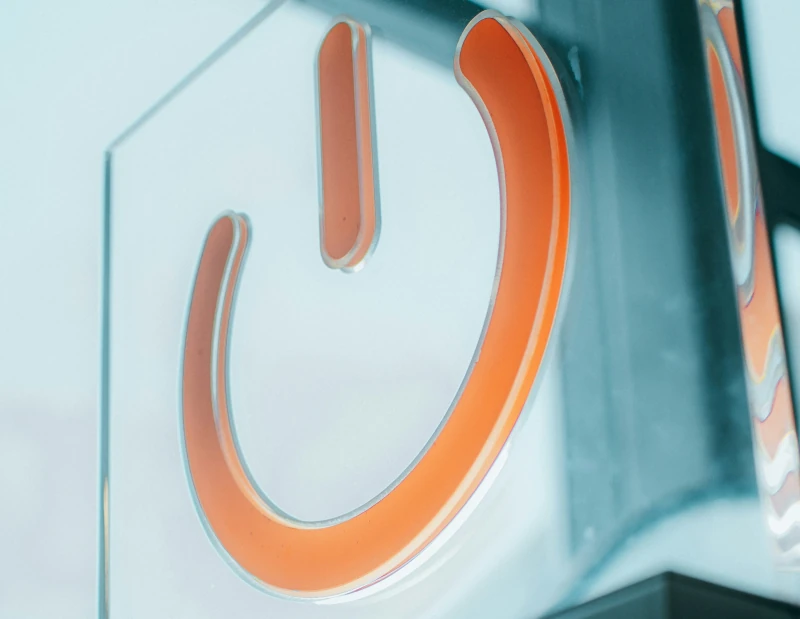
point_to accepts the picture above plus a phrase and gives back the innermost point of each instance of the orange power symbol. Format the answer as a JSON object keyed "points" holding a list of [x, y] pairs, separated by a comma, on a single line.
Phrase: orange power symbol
{"points": [[501, 67]]}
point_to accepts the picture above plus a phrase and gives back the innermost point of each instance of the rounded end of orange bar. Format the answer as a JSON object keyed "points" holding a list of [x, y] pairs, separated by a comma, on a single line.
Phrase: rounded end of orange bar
{"points": [[348, 198]]}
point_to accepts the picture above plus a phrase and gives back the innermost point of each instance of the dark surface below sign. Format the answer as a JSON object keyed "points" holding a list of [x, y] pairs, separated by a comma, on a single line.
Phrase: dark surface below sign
{"points": [[673, 596]]}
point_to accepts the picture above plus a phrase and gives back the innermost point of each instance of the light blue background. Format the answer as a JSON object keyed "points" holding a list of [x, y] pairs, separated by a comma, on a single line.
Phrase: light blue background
{"points": [[72, 76]]}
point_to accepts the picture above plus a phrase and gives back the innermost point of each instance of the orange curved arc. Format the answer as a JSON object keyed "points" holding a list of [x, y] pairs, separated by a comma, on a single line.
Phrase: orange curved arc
{"points": [[726, 140], [503, 74], [760, 318]]}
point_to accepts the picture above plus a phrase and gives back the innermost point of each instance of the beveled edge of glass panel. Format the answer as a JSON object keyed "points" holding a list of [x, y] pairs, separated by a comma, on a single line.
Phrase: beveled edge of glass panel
{"points": [[104, 522]]}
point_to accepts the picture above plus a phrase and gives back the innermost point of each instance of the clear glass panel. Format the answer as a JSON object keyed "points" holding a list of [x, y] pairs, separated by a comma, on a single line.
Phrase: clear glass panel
{"points": [[634, 451], [357, 370]]}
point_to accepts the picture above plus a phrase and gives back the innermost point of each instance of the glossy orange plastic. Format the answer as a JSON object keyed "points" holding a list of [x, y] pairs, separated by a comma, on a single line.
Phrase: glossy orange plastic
{"points": [[500, 70]]}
